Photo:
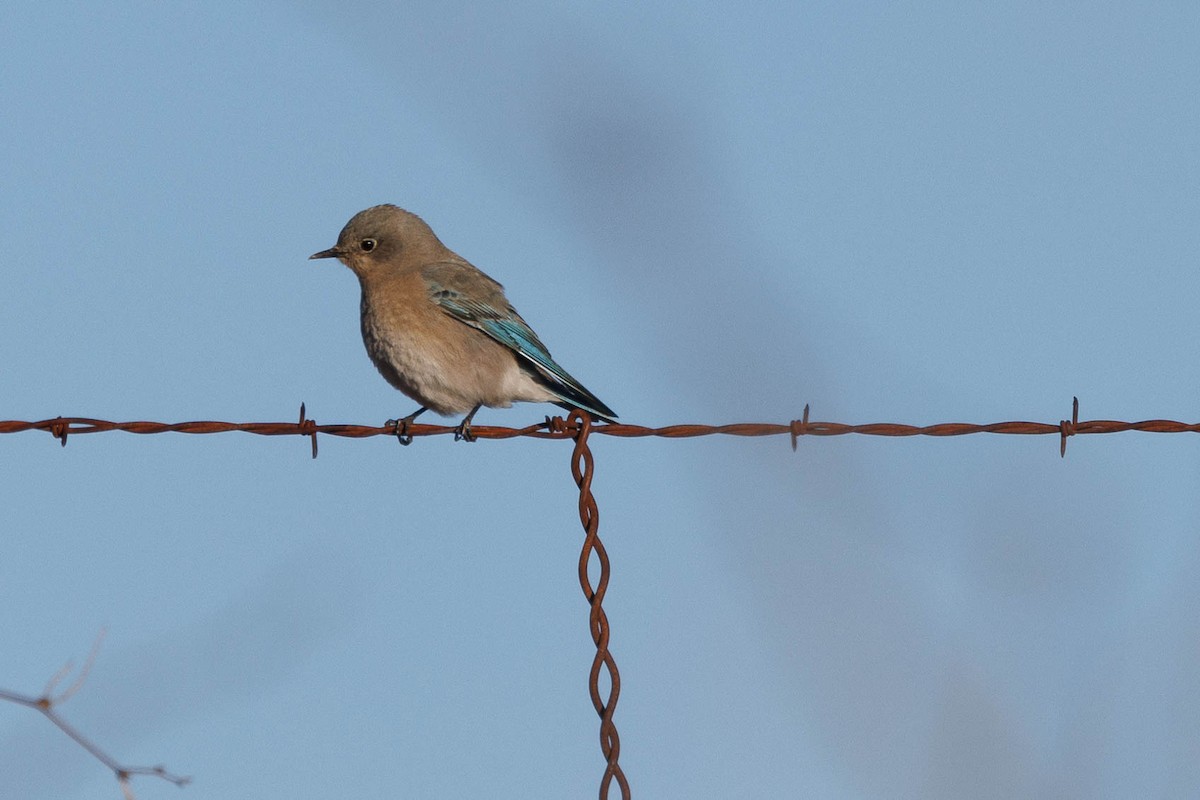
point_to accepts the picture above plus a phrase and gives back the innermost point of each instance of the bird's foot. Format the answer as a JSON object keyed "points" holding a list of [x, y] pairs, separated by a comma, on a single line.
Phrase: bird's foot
{"points": [[463, 432], [400, 427]]}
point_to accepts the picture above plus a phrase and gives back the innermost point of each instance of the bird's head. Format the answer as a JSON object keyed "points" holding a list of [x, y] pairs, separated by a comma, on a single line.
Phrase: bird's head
{"points": [[383, 238]]}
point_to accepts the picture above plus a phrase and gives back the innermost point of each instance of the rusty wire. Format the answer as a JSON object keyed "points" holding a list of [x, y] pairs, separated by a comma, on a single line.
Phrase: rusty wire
{"points": [[582, 467], [557, 428], [579, 427]]}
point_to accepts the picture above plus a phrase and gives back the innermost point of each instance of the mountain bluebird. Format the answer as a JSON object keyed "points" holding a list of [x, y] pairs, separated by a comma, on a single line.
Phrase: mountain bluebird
{"points": [[440, 330]]}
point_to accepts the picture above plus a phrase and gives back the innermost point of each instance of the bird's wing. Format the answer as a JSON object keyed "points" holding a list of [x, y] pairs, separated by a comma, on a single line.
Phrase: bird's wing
{"points": [[470, 296]]}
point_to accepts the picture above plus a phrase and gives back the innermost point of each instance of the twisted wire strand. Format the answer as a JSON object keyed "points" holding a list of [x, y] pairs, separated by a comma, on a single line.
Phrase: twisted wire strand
{"points": [[582, 470], [557, 428]]}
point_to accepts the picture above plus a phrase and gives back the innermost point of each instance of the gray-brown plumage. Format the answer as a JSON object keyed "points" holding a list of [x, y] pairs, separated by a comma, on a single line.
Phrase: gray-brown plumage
{"points": [[440, 330]]}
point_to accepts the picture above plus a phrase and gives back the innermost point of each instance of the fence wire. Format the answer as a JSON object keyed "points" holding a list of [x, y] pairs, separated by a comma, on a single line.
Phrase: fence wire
{"points": [[579, 427], [582, 468], [558, 428]]}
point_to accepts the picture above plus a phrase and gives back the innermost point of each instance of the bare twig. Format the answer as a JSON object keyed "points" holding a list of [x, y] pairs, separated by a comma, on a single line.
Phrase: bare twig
{"points": [[45, 704]]}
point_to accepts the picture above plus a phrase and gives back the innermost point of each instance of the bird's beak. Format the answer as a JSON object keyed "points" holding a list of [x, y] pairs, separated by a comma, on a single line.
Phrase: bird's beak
{"points": [[332, 252]]}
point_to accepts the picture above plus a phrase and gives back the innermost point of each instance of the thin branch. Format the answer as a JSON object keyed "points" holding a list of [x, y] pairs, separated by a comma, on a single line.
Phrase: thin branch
{"points": [[46, 703]]}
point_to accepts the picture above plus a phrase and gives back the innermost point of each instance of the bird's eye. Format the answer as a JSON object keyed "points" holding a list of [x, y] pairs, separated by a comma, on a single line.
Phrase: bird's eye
{"points": [[367, 245]]}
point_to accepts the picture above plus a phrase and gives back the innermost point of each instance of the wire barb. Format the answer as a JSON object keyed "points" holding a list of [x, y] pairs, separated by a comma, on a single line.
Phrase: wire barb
{"points": [[59, 428], [1068, 427], [308, 427], [799, 427]]}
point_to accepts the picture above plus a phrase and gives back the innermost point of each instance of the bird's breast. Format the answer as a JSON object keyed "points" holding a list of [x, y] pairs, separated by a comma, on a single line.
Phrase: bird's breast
{"points": [[436, 360]]}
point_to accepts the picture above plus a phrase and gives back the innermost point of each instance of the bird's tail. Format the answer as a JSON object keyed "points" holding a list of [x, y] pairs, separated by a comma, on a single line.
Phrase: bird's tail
{"points": [[607, 415], [572, 396]]}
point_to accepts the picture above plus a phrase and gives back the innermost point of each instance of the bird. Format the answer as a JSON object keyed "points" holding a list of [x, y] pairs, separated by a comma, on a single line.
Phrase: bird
{"points": [[441, 331]]}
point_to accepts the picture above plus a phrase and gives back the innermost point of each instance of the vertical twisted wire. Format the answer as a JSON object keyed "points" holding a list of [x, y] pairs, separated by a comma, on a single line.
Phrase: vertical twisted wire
{"points": [[589, 517]]}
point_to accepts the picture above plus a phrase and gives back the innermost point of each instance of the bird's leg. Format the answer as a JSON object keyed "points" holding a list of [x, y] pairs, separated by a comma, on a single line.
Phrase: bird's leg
{"points": [[401, 426], [463, 431]]}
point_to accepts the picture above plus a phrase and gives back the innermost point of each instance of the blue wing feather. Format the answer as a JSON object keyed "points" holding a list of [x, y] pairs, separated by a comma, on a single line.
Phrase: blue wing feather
{"points": [[486, 309]]}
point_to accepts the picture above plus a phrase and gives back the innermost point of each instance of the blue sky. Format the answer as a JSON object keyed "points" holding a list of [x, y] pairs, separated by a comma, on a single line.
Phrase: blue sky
{"points": [[895, 212]]}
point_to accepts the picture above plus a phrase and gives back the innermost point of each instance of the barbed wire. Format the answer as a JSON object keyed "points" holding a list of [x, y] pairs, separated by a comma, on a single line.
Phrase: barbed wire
{"points": [[558, 428], [579, 427]]}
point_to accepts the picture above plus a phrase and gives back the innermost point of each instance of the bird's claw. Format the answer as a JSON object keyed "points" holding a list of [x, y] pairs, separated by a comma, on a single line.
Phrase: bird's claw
{"points": [[400, 428], [463, 432]]}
